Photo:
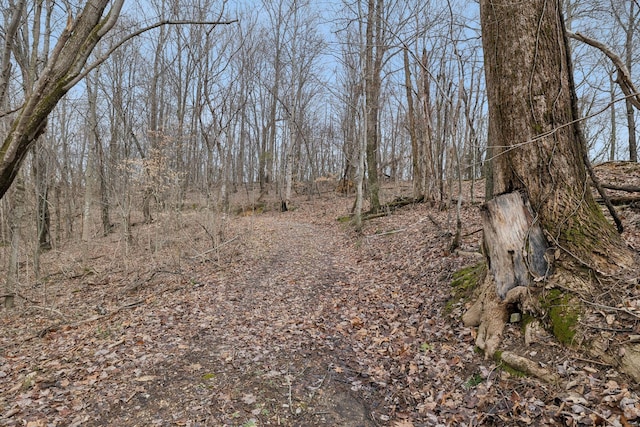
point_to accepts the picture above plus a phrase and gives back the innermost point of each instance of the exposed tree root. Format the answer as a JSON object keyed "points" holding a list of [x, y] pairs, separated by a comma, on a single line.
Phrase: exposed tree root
{"points": [[490, 315], [529, 367]]}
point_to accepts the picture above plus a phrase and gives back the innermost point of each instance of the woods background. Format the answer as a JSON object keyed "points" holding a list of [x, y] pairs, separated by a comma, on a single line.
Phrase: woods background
{"points": [[291, 93]]}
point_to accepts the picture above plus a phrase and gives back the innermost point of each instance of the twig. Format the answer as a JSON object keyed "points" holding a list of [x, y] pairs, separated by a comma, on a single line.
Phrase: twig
{"points": [[596, 183], [606, 307], [213, 240], [595, 362], [217, 247], [574, 256], [140, 282], [288, 378], [115, 344], [53, 310], [471, 233], [19, 295], [434, 221], [386, 233], [601, 328], [6, 113], [316, 388]]}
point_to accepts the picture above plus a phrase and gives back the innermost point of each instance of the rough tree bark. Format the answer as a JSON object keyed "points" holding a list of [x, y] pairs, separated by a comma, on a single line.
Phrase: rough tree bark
{"points": [[538, 151]]}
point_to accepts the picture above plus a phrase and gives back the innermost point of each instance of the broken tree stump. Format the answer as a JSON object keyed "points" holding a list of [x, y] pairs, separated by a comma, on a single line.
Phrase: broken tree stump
{"points": [[514, 242]]}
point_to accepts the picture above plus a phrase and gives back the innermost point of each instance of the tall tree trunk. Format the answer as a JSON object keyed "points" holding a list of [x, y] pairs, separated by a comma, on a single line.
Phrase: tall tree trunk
{"points": [[267, 157], [90, 175], [104, 192], [15, 228], [373, 64], [43, 218], [631, 120], [613, 136], [530, 104], [427, 140], [539, 151], [418, 191], [360, 170]]}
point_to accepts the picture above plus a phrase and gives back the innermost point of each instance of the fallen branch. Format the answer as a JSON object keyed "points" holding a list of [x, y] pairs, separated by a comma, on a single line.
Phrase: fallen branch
{"points": [[387, 209], [402, 230], [226, 242], [627, 188], [386, 233], [471, 233], [42, 333], [19, 295], [435, 221], [376, 215], [622, 200], [139, 282]]}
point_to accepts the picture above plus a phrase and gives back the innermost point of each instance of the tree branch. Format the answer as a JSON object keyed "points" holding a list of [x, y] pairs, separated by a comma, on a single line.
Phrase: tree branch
{"points": [[624, 76], [603, 194], [5, 61], [115, 47]]}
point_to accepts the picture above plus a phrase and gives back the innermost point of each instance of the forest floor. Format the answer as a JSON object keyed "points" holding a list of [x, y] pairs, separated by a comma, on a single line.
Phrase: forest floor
{"points": [[282, 318]]}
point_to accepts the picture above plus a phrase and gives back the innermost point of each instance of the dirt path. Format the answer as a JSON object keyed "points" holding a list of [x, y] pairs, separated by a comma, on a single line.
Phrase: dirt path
{"points": [[253, 354]]}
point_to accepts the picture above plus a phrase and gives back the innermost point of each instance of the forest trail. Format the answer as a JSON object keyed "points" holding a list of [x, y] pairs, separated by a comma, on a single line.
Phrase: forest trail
{"points": [[255, 353], [296, 321]]}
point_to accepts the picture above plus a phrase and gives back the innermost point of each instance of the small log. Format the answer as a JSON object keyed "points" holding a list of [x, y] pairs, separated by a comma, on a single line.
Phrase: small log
{"points": [[627, 188], [515, 244]]}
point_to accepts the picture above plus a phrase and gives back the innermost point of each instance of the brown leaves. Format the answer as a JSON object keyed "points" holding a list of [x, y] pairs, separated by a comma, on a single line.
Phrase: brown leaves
{"points": [[300, 318]]}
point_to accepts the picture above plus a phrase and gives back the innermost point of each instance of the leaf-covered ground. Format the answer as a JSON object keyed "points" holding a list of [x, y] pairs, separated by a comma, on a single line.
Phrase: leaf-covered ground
{"points": [[294, 320]]}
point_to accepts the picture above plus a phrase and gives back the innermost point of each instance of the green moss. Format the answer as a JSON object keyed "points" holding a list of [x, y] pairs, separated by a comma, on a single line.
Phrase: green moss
{"points": [[585, 235], [425, 347], [344, 219], [508, 368], [563, 314], [463, 283], [468, 277], [448, 306], [512, 371], [526, 319], [575, 235], [473, 381]]}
